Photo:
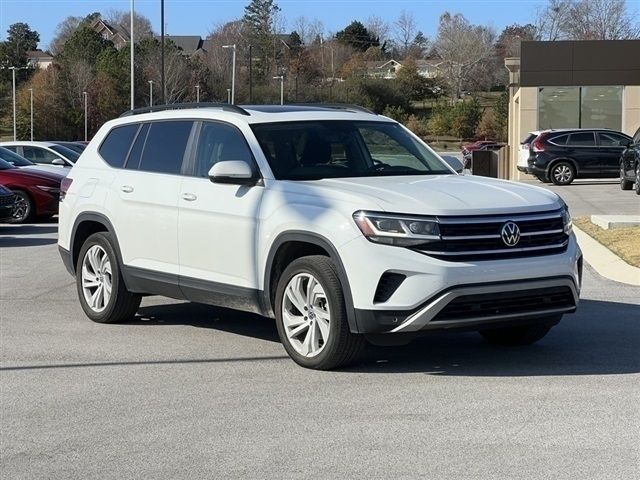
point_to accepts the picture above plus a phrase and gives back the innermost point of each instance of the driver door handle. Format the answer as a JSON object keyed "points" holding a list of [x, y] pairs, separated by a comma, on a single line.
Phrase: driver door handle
{"points": [[189, 197]]}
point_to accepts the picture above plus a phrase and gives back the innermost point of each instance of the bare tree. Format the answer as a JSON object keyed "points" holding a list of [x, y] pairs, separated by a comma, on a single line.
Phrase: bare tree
{"points": [[464, 49], [309, 30], [378, 27], [587, 20], [63, 31], [122, 19], [405, 30]]}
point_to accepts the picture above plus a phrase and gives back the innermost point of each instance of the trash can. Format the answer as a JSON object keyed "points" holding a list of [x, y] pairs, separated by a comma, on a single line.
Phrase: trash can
{"points": [[484, 163]]}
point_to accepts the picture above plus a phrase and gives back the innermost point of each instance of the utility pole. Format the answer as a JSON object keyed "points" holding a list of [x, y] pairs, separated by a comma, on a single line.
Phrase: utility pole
{"points": [[31, 108], [233, 73], [131, 55], [281, 78], [151, 93], [250, 74], [197, 93], [84, 94], [163, 87], [13, 80], [228, 95]]}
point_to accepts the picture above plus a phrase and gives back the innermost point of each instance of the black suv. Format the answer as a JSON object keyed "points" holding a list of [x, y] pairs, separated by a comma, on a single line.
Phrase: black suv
{"points": [[561, 156], [630, 165]]}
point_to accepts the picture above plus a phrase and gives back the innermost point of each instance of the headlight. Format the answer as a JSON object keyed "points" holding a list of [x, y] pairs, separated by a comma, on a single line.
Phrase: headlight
{"points": [[48, 189], [566, 221], [398, 230]]}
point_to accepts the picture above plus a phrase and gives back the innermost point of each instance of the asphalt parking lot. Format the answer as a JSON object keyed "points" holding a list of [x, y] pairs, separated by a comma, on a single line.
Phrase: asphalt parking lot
{"points": [[189, 391]]}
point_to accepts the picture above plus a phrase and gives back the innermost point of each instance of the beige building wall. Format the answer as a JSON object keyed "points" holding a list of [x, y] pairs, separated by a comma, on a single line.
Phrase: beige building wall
{"points": [[631, 109]]}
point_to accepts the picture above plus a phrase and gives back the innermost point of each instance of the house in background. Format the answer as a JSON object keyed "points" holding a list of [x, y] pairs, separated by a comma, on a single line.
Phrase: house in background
{"points": [[39, 59], [572, 84], [118, 36], [189, 44], [388, 69]]}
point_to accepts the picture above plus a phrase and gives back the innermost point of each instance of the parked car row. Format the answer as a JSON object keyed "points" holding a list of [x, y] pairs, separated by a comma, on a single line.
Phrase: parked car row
{"points": [[563, 155], [30, 177]]}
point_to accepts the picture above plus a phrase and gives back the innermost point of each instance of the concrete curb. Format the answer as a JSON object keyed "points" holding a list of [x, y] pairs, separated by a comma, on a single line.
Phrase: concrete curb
{"points": [[605, 262]]}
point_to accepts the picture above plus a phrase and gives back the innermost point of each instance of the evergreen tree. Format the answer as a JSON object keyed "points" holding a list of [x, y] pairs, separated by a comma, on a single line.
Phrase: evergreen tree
{"points": [[357, 36]]}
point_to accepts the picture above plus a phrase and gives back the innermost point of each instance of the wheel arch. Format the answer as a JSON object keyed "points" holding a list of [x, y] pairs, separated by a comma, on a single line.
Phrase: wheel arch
{"points": [[307, 243], [85, 225], [569, 160]]}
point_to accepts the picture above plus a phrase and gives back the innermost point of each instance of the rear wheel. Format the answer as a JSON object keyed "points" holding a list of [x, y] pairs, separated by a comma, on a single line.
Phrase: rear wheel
{"points": [[23, 208], [624, 184], [520, 335], [311, 315], [562, 173], [101, 289]]}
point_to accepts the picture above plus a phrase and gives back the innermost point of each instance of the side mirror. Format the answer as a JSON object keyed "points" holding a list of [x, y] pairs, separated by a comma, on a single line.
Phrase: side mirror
{"points": [[454, 163], [235, 172], [58, 161]]}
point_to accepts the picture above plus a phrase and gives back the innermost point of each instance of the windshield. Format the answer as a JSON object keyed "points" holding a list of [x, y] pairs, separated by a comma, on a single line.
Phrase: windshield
{"points": [[5, 165], [66, 152], [13, 158], [340, 149], [76, 147]]}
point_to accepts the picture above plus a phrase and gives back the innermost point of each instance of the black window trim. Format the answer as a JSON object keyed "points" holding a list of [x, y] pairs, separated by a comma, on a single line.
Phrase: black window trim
{"points": [[190, 162], [185, 157]]}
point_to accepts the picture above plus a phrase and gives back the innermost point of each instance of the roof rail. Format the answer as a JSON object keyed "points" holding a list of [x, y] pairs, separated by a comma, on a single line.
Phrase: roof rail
{"points": [[180, 106], [336, 106]]}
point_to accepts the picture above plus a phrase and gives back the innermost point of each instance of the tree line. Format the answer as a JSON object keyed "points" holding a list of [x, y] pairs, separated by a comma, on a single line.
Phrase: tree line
{"points": [[316, 65]]}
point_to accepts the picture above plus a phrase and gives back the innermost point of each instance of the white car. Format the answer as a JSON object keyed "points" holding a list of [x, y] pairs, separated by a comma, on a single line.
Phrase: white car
{"points": [[21, 162], [339, 223], [523, 152], [50, 154]]}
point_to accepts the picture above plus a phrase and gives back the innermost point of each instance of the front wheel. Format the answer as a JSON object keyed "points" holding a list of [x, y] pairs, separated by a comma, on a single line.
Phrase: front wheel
{"points": [[520, 335], [101, 289], [624, 183], [23, 208], [311, 315], [562, 173]]}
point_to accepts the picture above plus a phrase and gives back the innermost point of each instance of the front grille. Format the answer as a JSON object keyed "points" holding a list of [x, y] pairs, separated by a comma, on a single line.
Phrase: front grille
{"points": [[479, 237], [468, 307], [6, 200]]}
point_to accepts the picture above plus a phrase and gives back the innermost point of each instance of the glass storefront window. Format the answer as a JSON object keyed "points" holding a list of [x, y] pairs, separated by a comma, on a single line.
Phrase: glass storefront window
{"points": [[601, 107], [558, 107], [580, 107]]}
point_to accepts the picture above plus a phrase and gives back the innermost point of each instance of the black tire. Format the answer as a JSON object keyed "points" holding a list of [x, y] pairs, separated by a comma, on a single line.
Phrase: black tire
{"points": [[23, 208], [122, 304], [543, 179], [624, 183], [520, 335], [342, 347], [562, 173], [636, 182]]}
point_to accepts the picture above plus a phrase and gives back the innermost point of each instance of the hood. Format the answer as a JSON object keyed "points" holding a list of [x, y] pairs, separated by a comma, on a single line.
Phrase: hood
{"points": [[29, 172], [55, 170], [442, 194]]}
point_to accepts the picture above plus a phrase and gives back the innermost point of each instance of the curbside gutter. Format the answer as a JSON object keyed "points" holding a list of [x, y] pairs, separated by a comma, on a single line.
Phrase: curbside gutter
{"points": [[605, 262]]}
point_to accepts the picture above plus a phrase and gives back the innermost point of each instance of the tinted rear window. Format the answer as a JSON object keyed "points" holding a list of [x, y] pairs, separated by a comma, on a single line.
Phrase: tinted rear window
{"points": [[115, 147], [165, 147], [559, 140], [585, 139]]}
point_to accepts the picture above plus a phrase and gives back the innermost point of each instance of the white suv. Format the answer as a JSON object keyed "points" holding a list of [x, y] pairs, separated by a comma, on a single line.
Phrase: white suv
{"points": [[339, 223]]}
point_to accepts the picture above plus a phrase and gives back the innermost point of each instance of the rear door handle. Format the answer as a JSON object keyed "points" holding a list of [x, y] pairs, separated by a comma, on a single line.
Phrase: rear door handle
{"points": [[126, 188], [189, 197]]}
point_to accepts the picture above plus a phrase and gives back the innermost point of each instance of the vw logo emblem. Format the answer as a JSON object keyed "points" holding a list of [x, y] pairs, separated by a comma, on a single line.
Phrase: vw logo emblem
{"points": [[510, 234]]}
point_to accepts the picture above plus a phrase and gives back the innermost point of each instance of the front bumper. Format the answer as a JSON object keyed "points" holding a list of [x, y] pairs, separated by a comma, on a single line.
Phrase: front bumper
{"points": [[431, 286]]}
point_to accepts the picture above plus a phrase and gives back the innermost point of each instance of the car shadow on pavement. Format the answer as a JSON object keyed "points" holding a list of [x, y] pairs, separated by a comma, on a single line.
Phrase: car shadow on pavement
{"points": [[9, 242], [601, 338], [28, 229], [205, 316]]}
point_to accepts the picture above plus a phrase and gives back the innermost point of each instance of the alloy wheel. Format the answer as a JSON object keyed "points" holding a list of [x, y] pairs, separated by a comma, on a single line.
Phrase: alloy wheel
{"points": [[20, 209], [562, 173], [96, 278], [305, 315]]}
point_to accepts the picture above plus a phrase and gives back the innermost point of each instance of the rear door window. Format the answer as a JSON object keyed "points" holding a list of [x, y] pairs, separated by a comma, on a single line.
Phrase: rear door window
{"points": [[39, 155], [115, 147], [582, 139], [165, 147]]}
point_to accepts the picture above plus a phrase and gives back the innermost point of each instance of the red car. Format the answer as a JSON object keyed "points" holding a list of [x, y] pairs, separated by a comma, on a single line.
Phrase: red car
{"points": [[37, 193]]}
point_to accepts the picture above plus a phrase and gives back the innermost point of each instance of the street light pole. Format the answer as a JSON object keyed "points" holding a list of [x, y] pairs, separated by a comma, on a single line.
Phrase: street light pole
{"points": [[228, 95], [151, 93], [197, 93], [162, 79], [84, 94], [31, 107], [233, 74], [250, 74], [281, 78], [131, 55], [13, 80]]}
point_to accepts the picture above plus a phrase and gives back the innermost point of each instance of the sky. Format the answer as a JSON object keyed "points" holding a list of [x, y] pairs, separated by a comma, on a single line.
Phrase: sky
{"points": [[198, 17]]}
